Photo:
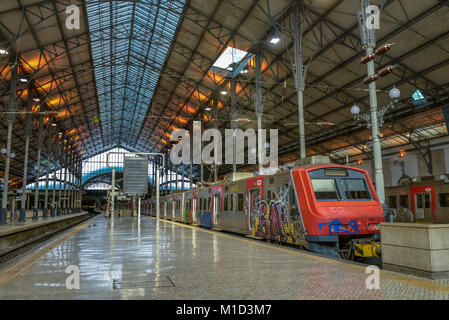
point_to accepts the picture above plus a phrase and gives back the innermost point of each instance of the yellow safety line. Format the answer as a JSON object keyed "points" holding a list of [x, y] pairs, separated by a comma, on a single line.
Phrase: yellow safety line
{"points": [[17, 268], [422, 283]]}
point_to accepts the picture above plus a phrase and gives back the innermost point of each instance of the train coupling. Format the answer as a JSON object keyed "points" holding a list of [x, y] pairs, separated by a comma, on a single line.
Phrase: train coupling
{"points": [[366, 249]]}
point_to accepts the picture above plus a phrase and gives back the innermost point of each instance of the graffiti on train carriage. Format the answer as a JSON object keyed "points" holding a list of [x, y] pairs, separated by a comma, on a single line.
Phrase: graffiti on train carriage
{"points": [[337, 226], [269, 218]]}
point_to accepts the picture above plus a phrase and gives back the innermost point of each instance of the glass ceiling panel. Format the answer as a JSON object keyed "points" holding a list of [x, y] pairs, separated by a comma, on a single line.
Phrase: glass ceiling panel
{"points": [[130, 43]]}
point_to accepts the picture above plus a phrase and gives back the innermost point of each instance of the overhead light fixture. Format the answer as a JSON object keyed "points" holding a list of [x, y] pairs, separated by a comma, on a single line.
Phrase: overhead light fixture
{"points": [[355, 110], [224, 92], [54, 124], [36, 100], [3, 51], [275, 40], [208, 109], [394, 93], [244, 71], [23, 80]]}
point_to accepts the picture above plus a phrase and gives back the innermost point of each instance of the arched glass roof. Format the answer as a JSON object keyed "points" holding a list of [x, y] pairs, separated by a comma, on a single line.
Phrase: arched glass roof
{"points": [[130, 42]]}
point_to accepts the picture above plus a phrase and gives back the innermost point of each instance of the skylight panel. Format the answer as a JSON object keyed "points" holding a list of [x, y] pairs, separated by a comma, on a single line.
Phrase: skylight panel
{"points": [[230, 58], [418, 98]]}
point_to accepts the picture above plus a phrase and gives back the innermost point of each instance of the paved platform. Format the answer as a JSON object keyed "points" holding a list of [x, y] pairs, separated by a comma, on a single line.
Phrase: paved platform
{"points": [[138, 258]]}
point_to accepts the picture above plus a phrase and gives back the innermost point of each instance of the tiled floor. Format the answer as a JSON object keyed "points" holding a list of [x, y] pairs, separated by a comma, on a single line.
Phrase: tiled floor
{"points": [[134, 258]]}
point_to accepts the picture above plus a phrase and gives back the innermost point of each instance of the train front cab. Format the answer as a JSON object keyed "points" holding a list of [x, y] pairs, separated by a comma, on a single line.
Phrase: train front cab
{"points": [[339, 209]]}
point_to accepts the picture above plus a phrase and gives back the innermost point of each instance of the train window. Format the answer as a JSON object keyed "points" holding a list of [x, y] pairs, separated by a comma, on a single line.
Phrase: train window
{"points": [[232, 203], [271, 181], [392, 202], [443, 200], [325, 189], [208, 203], [201, 203], [403, 201], [225, 203], [292, 197], [355, 189], [419, 203], [270, 195], [240, 202], [427, 201]]}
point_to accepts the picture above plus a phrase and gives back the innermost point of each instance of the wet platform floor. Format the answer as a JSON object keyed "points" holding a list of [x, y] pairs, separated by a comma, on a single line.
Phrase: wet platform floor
{"points": [[139, 258]]}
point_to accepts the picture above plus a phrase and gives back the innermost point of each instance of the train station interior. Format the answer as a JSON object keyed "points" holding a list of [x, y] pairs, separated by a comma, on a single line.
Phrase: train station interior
{"points": [[224, 150]]}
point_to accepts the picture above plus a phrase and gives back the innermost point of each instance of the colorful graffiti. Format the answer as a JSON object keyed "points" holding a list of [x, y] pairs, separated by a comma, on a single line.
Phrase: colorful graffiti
{"points": [[269, 218], [337, 226], [188, 215]]}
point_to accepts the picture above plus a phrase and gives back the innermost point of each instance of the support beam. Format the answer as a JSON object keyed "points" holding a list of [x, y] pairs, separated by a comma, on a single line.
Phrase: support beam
{"points": [[368, 37], [10, 118], [300, 82]]}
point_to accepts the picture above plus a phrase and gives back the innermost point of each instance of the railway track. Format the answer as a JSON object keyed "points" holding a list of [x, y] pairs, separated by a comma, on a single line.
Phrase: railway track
{"points": [[26, 245]]}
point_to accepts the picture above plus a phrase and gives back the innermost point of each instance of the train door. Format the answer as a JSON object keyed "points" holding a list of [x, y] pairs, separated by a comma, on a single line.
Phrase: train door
{"points": [[217, 205], [194, 201], [173, 212], [183, 210], [423, 203], [254, 196]]}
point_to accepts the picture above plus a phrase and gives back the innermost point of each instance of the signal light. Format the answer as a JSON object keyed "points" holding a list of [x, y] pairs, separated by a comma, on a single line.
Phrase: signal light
{"points": [[383, 49], [370, 79], [385, 71], [367, 58]]}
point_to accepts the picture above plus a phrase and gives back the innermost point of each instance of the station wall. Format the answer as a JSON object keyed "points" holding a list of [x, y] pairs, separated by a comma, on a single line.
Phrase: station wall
{"points": [[413, 164]]}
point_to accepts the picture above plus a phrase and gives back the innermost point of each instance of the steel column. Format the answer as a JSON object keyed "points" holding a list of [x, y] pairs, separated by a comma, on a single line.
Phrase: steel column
{"points": [[157, 194], [368, 38], [300, 82], [259, 105], [38, 166], [10, 118], [233, 126]]}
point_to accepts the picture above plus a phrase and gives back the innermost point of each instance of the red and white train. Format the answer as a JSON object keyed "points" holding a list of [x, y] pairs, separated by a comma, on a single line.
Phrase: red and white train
{"points": [[325, 208]]}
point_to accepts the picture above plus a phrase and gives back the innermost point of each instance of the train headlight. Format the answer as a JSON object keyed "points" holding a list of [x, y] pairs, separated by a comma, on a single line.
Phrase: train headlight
{"points": [[374, 226]]}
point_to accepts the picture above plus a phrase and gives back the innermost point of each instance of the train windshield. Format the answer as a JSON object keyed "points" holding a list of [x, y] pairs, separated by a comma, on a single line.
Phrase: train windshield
{"points": [[333, 185], [325, 189], [355, 189]]}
